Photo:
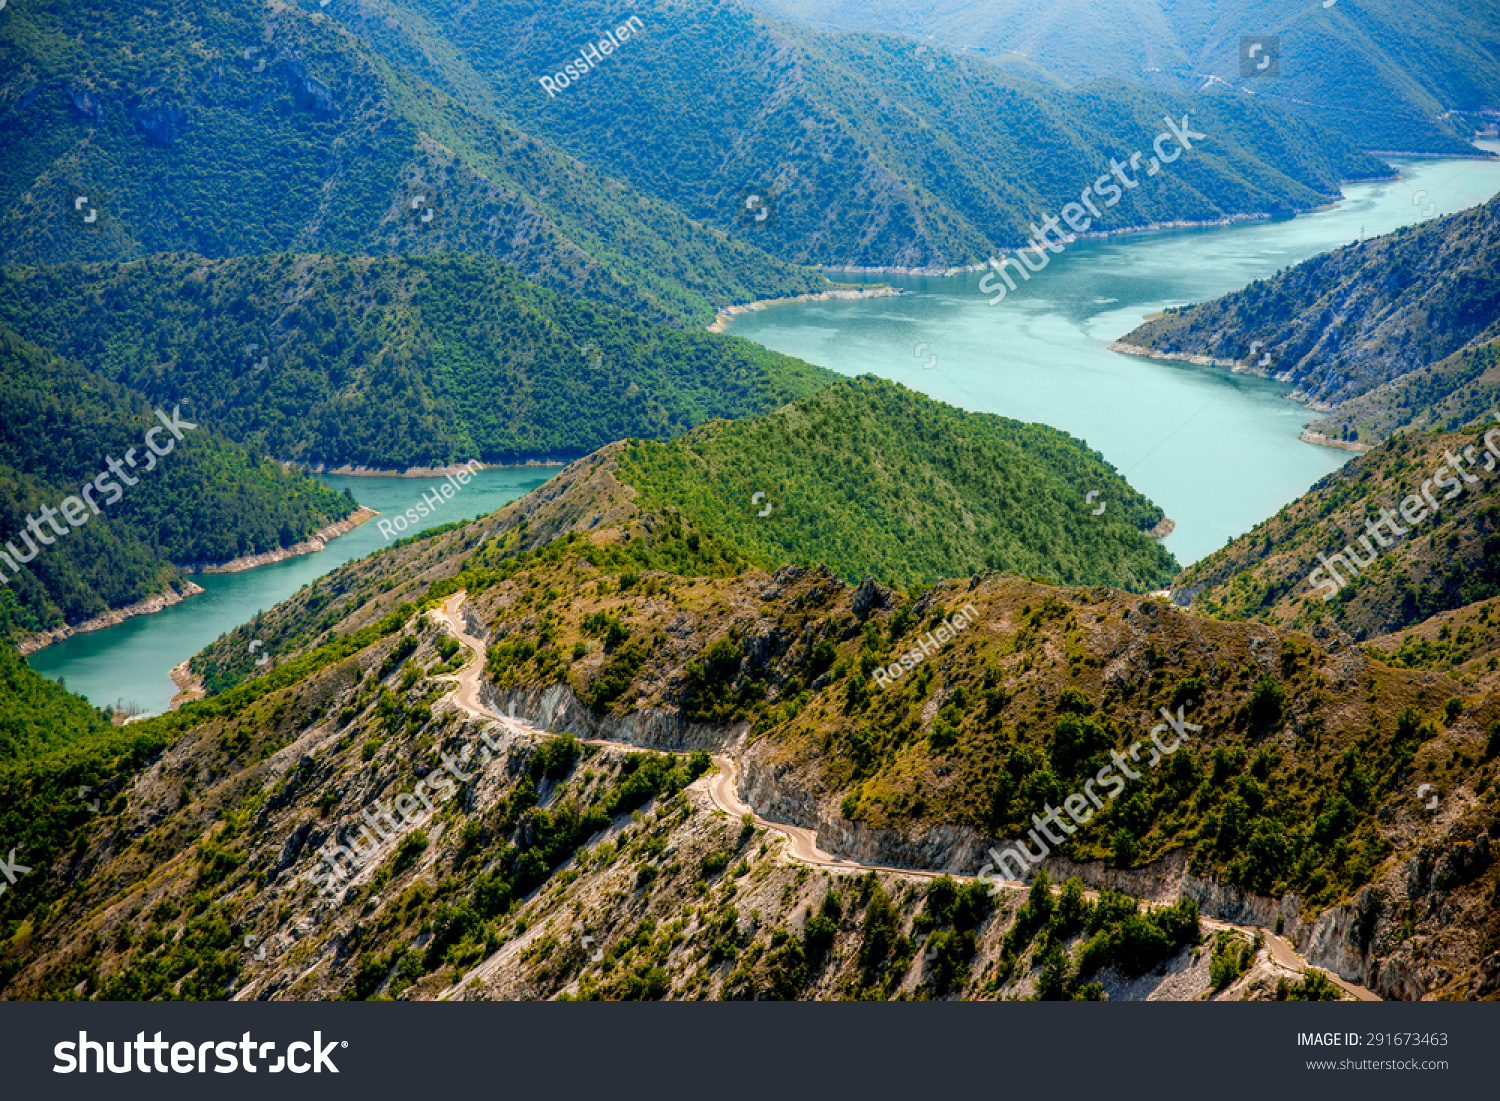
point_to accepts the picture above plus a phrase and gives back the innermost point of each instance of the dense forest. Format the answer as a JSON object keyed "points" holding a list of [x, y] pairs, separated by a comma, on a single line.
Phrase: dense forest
{"points": [[1379, 73], [209, 500], [235, 129], [392, 362], [867, 477], [35, 713]]}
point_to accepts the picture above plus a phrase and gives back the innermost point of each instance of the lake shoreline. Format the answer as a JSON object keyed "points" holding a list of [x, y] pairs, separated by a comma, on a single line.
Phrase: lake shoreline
{"points": [[190, 686], [962, 269], [135, 661], [348, 471], [158, 602], [315, 542], [1307, 435], [727, 313]]}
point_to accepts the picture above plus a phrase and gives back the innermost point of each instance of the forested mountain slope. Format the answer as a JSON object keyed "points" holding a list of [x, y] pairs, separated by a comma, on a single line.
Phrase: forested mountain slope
{"points": [[849, 150], [1419, 516], [1442, 395], [1384, 334], [36, 713], [869, 478], [207, 500], [240, 128], [392, 362]]}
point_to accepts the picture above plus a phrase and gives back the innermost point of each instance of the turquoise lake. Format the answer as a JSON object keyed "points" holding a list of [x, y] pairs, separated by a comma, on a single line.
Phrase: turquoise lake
{"points": [[131, 661], [1218, 451]]}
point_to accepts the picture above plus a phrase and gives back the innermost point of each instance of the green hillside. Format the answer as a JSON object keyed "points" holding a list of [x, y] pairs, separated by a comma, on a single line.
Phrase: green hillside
{"points": [[1359, 324], [868, 158], [1295, 777], [392, 362], [1446, 560], [1454, 391], [208, 500], [35, 713], [236, 129], [870, 478]]}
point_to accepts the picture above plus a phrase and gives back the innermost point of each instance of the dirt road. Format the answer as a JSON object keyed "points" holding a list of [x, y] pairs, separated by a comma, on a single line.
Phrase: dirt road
{"points": [[802, 843]]}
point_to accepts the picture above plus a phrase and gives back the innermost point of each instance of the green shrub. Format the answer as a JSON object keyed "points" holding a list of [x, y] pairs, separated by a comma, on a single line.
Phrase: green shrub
{"points": [[1314, 986], [1265, 706], [879, 934], [785, 967], [1231, 958], [408, 850], [714, 863], [555, 757], [706, 695], [403, 649]]}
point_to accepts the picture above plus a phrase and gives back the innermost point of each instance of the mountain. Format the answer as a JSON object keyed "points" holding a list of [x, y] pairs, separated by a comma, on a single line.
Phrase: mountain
{"points": [[926, 492], [789, 686], [1443, 395], [845, 150], [392, 362], [1384, 76], [172, 128], [199, 498], [1386, 334], [644, 862], [1285, 794], [1411, 561], [864, 476]]}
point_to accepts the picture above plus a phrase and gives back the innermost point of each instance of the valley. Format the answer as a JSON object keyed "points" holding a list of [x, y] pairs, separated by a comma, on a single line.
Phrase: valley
{"points": [[748, 500]]}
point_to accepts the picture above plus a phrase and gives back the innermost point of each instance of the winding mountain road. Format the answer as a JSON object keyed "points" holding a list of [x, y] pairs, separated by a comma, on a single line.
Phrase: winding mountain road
{"points": [[802, 843]]}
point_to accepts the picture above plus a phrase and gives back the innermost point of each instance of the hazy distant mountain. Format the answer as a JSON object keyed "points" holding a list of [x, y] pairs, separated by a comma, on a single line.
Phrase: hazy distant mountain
{"points": [[1384, 73]]}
